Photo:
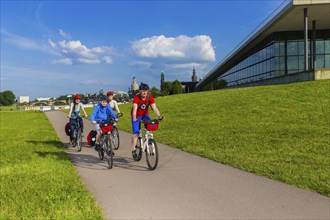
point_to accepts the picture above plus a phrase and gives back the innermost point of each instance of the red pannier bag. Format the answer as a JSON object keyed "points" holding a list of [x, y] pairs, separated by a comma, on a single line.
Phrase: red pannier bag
{"points": [[107, 128], [151, 125], [91, 138], [67, 129]]}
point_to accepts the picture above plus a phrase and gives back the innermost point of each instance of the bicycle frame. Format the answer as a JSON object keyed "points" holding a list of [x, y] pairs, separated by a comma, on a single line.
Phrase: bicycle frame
{"points": [[146, 144], [106, 145], [144, 141], [77, 133]]}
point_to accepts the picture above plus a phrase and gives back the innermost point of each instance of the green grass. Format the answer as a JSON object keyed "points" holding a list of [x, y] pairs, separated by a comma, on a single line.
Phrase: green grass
{"points": [[38, 180], [8, 108], [281, 132]]}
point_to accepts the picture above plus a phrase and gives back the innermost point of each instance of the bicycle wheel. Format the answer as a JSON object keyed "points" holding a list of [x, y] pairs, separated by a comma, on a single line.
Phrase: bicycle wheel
{"points": [[138, 150], [101, 150], [109, 154], [115, 137], [152, 154], [79, 140]]}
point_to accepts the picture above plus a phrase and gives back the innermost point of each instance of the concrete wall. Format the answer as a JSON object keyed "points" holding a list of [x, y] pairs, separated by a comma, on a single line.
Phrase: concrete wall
{"points": [[322, 74]]}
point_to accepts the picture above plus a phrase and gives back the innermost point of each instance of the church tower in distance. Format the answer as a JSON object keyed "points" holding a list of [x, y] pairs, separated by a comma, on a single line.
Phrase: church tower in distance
{"points": [[162, 80], [194, 77]]}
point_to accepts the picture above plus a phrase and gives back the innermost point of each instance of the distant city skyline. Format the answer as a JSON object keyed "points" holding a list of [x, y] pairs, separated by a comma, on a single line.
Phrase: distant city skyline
{"points": [[52, 48]]}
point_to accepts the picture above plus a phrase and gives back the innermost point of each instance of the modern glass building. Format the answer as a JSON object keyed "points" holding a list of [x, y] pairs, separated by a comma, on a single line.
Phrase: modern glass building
{"points": [[292, 45]]}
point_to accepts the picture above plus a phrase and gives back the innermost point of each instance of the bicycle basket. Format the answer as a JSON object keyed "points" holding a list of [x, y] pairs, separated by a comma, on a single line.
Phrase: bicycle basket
{"points": [[107, 128], [151, 125]]}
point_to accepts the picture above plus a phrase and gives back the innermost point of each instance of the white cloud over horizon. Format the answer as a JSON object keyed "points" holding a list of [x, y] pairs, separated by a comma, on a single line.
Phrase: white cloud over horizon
{"points": [[182, 48], [81, 54]]}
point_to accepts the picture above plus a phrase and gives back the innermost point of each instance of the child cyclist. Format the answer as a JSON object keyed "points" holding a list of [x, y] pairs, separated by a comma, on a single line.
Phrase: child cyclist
{"points": [[113, 103], [101, 112], [74, 114]]}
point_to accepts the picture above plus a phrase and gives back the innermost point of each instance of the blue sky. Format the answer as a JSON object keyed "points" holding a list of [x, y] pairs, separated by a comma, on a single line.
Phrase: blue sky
{"points": [[53, 48]]}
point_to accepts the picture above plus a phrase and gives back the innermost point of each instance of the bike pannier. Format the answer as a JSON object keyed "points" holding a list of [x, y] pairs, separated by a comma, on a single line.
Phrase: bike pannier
{"points": [[91, 138], [67, 129], [151, 125]]}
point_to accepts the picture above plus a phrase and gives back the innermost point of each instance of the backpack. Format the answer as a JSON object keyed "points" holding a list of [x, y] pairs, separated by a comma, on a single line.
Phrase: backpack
{"points": [[67, 129], [91, 138]]}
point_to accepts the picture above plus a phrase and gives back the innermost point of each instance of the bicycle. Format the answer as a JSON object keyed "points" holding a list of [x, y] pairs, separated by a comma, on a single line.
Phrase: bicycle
{"points": [[106, 141], [77, 133], [115, 134], [148, 144]]}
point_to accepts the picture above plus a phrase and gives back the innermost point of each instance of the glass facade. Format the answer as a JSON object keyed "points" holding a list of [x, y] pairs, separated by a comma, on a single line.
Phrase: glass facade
{"points": [[280, 54]]}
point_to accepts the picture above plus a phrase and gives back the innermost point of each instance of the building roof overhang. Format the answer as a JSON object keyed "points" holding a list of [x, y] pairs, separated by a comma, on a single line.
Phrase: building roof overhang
{"points": [[289, 18]]}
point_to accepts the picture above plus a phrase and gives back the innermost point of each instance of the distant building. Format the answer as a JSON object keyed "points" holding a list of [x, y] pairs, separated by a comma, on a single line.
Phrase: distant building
{"points": [[194, 77], [121, 96], [162, 80], [190, 86], [23, 99], [291, 45], [133, 89]]}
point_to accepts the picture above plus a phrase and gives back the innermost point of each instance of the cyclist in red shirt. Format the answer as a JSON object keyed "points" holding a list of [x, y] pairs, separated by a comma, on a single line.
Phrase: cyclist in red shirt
{"points": [[141, 103]]}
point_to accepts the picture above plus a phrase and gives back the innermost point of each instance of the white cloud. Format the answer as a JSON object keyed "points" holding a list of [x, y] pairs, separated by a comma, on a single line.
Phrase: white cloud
{"points": [[88, 61], [81, 54], [182, 48], [107, 59], [63, 34], [51, 43]]}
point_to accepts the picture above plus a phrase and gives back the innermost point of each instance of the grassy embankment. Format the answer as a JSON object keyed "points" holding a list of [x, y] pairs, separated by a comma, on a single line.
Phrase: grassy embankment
{"points": [[282, 131], [38, 180]]}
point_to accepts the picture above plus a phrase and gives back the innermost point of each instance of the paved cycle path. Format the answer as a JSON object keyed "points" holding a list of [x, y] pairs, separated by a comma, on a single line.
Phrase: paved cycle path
{"points": [[184, 186]]}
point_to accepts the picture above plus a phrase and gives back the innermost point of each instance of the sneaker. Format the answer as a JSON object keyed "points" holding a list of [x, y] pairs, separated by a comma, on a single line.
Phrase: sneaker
{"points": [[134, 155]]}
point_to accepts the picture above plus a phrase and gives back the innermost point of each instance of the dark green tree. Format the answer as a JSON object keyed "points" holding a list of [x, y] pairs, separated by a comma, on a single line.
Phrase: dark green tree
{"points": [[7, 98], [154, 92], [167, 87], [217, 84], [176, 87]]}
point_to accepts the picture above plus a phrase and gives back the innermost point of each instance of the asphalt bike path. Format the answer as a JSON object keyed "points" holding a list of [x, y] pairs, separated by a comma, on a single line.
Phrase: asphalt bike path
{"points": [[183, 186]]}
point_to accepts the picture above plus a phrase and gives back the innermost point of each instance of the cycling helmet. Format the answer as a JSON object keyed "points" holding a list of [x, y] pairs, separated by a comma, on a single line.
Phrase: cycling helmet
{"points": [[77, 96], [144, 86], [103, 98], [109, 93]]}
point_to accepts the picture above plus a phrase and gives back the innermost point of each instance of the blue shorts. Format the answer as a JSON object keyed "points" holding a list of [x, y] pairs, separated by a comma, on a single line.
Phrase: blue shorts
{"points": [[135, 124]]}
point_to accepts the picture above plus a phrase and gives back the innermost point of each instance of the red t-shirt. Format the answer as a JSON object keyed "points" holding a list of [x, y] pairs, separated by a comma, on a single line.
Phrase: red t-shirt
{"points": [[143, 105]]}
